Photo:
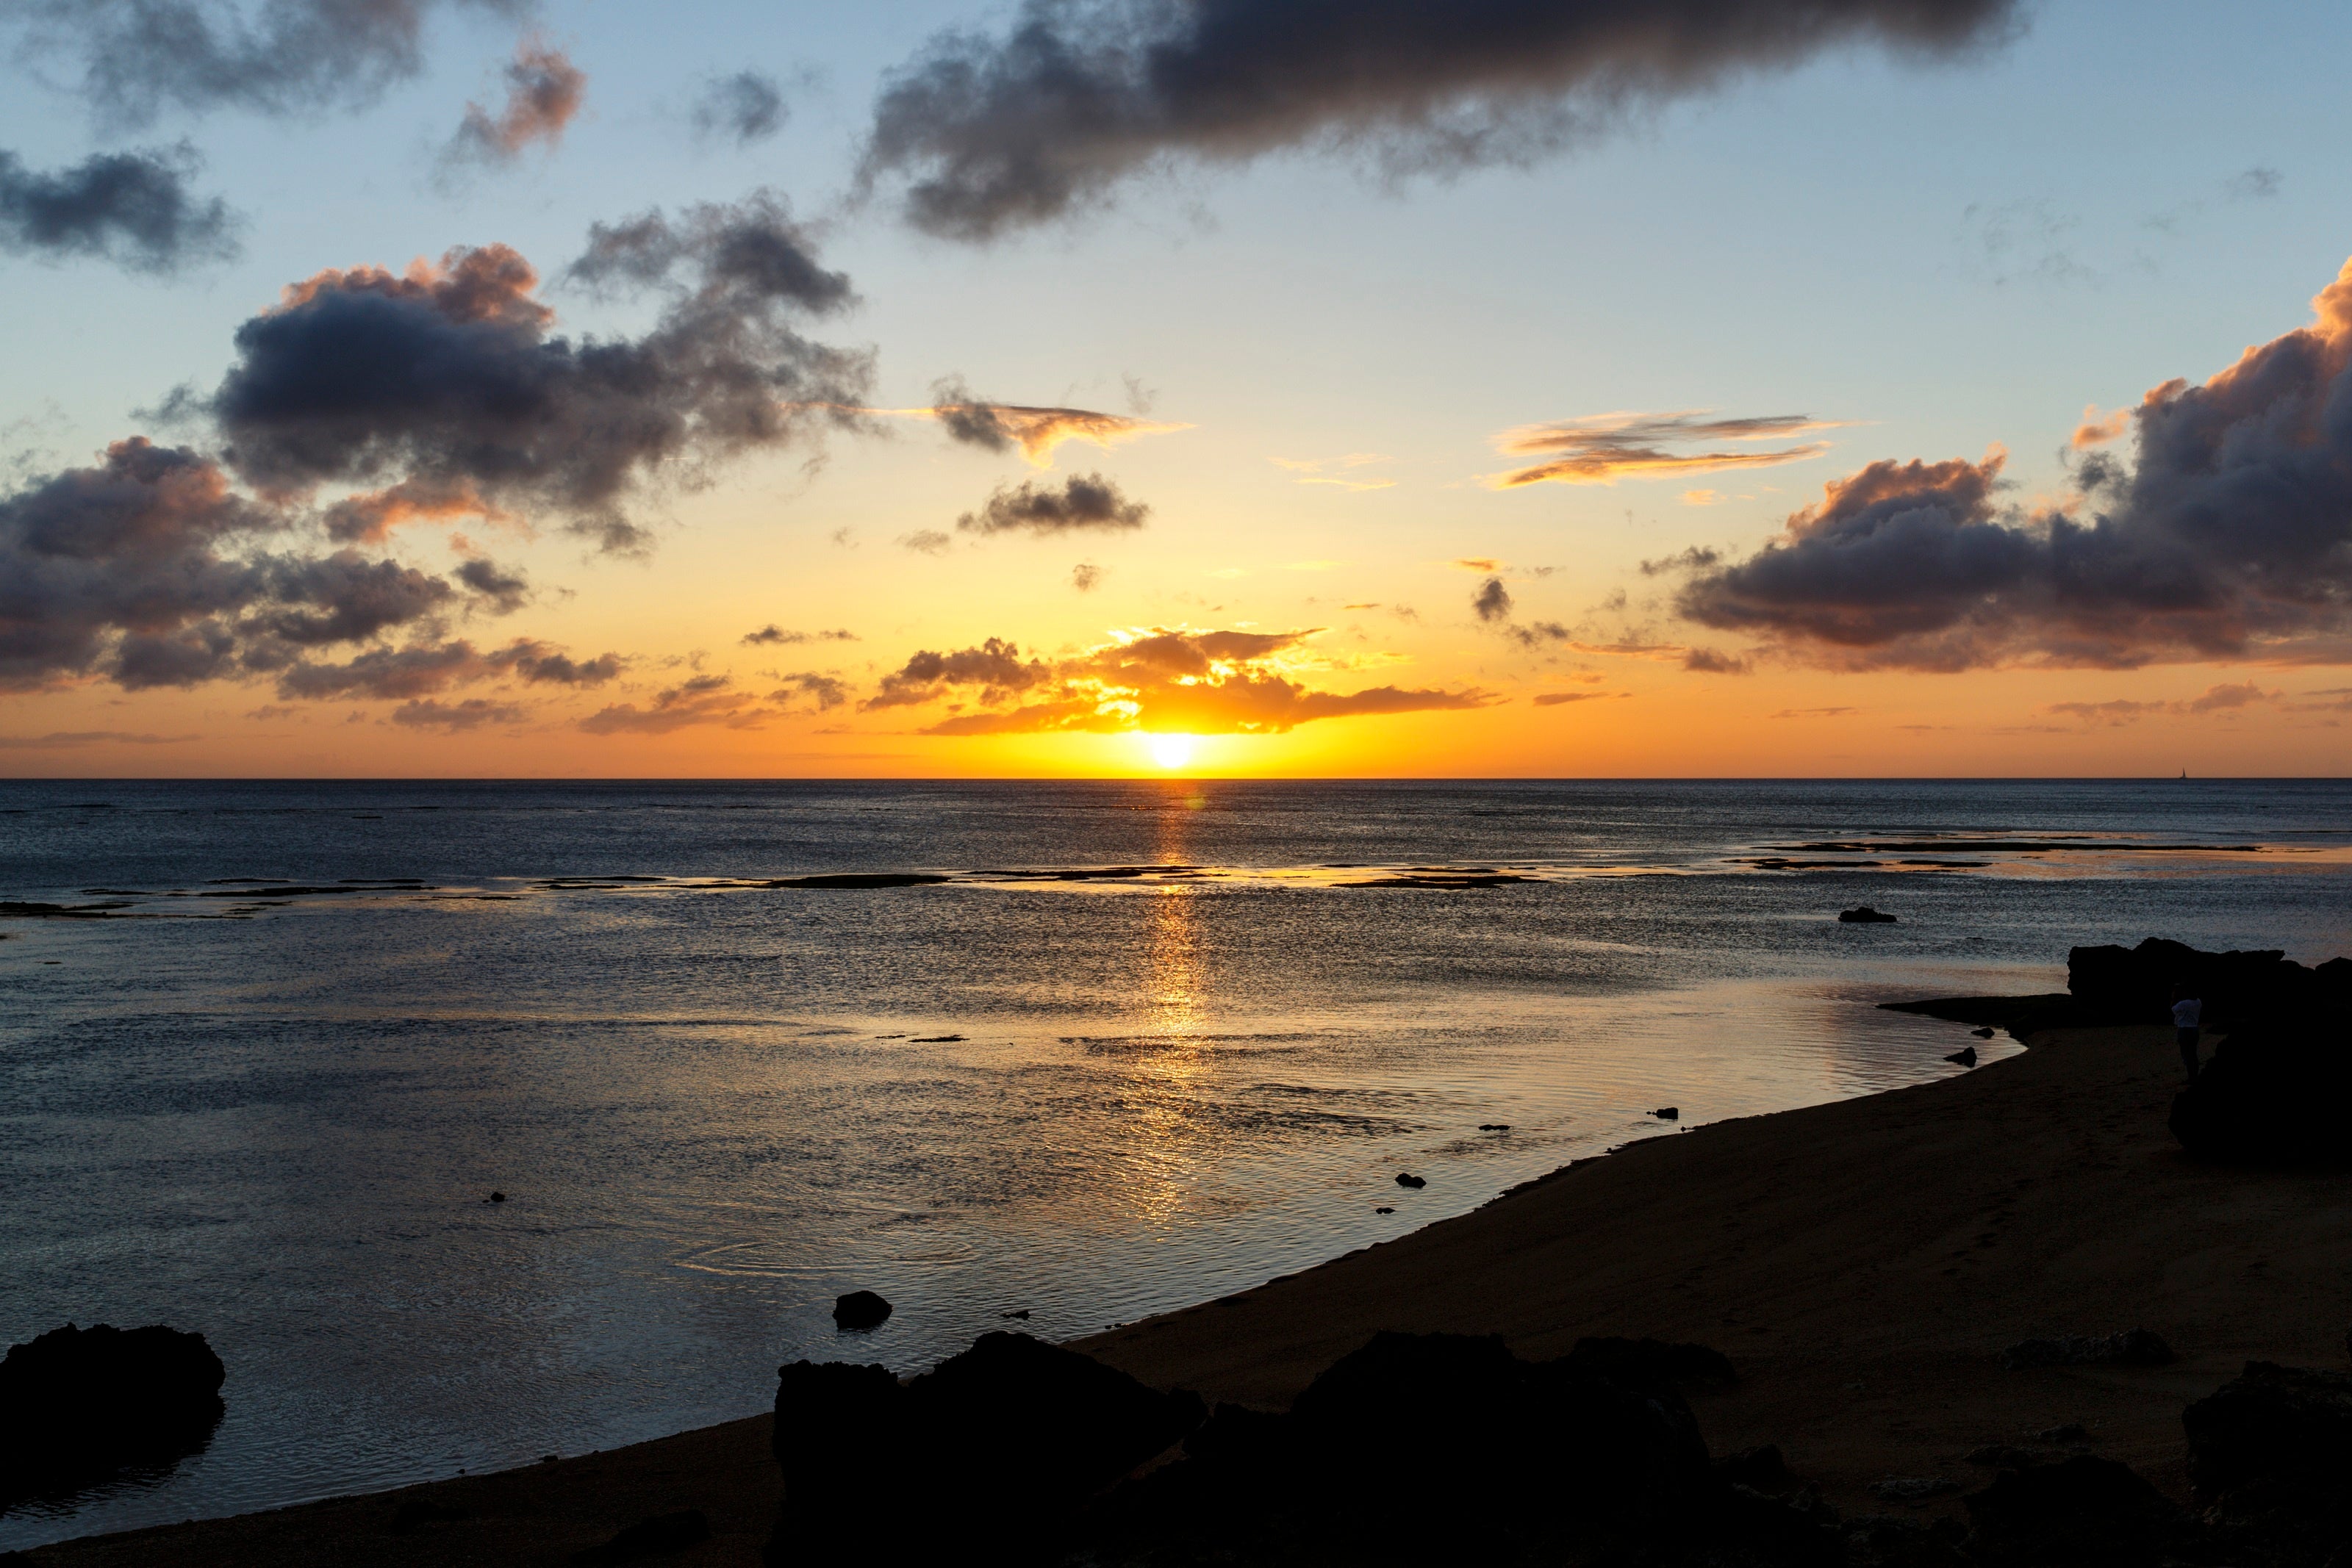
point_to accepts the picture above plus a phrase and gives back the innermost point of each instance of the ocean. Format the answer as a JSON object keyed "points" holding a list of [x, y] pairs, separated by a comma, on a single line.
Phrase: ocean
{"points": [[1081, 1051]]}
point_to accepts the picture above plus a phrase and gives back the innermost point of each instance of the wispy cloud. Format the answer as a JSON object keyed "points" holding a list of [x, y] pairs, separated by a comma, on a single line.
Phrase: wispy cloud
{"points": [[1602, 448]]}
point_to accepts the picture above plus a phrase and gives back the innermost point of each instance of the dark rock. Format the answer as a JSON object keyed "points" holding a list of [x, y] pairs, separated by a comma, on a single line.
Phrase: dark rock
{"points": [[1883, 1540], [1022, 1314], [1651, 1363], [496, 1198], [985, 1457], [1668, 1112], [1385, 1209], [1866, 915], [1762, 1469], [1984, 1032], [1405, 1178], [2134, 985], [418, 1511], [2073, 1432], [2134, 1347], [2274, 1093], [1494, 1126], [78, 1407], [2271, 1425], [2077, 1514], [655, 1537], [1965, 1056], [860, 1311]]}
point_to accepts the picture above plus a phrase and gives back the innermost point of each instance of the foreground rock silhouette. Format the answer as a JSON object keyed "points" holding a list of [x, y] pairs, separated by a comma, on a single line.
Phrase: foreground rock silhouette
{"points": [[80, 1406]]}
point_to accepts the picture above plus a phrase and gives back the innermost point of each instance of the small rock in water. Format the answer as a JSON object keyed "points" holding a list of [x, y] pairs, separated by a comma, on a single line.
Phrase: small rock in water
{"points": [[937, 1040], [1406, 1178], [1866, 915], [1385, 1209], [2072, 1432], [1668, 1112], [1022, 1314], [1984, 1033], [1965, 1056], [1494, 1126], [860, 1311]]}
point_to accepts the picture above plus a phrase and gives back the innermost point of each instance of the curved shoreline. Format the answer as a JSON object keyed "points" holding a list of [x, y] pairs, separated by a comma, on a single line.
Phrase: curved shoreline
{"points": [[1863, 1262]]}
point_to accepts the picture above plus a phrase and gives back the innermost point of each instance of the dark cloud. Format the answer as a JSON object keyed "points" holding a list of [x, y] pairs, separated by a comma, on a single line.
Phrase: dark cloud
{"points": [[1607, 447], [139, 57], [744, 108], [1086, 577], [997, 132], [1202, 683], [1493, 600], [1553, 699], [501, 592], [471, 714], [995, 666], [151, 569], [926, 541], [773, 635], [421, 669], [134, 209], [1036, 430], [544, 90], [447, 379], [1085, 502], [827, 692], [1713, 662], [704, 700], [2226, 698], [370, 517], [2229, 537], [60, 738]]}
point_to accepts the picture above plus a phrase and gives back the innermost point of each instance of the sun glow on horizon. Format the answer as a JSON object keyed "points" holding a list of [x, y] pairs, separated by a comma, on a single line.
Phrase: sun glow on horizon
{"points": [[1170, 751]]}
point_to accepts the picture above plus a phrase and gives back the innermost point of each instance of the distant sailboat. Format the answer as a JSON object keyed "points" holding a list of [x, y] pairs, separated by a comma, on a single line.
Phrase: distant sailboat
{"points": [[2184, 773]]}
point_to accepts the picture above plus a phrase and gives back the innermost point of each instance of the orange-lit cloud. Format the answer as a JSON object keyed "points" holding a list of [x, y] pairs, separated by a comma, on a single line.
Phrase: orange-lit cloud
{"points": [[1602, 448], [1167, 682], [704, 700], [2098, 429], [544, 90], [1036, 430], [370, 517]]}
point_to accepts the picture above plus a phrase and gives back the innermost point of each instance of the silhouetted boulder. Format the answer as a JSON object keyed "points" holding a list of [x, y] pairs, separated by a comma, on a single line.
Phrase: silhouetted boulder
{"points": [[1668, 1112], [2081, 1513], [78, 1407], [983, 1458], [2134, 985], [1866, 915], [2275, 1426], [2275, 1091], [860, 1311], [1406, 1178], [1965, 1056], [1650, 1363], [1760, 1469]]}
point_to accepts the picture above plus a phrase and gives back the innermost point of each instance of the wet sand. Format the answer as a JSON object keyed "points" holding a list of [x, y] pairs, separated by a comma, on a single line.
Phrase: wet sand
{"points": [[1863, 1263]]}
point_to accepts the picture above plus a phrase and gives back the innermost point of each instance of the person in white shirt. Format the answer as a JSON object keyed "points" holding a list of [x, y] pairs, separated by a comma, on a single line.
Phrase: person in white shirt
{"points": [[2188, 1017]]}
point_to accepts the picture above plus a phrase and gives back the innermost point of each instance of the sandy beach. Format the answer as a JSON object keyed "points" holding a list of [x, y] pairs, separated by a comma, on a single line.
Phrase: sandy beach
{"points": [[1863, 1263]]}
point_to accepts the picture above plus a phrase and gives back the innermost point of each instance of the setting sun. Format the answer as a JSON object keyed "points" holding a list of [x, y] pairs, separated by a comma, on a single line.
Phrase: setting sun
{"points": [[1169, 750]]}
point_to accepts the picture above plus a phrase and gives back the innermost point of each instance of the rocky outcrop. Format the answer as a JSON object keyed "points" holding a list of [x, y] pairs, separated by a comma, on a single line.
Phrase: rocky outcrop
{"points": [[78, 1407], [2082, 1513], [2134, 985], [2133, 1347], [984, 1458], [860, 1311], [2275, 1091], [2270, 1453]]}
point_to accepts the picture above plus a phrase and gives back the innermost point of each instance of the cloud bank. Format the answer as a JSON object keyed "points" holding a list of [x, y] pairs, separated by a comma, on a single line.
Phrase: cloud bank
{"points": [[995, 133], [2229, 537], [1198, 682]]}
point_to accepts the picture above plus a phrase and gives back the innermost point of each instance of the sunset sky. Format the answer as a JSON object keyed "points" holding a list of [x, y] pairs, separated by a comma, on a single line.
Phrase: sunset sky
{"points": [[1251, 387]]}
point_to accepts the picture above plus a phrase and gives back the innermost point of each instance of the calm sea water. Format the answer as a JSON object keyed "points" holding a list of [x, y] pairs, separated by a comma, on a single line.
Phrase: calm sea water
{"points": [[261, 1075]]}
